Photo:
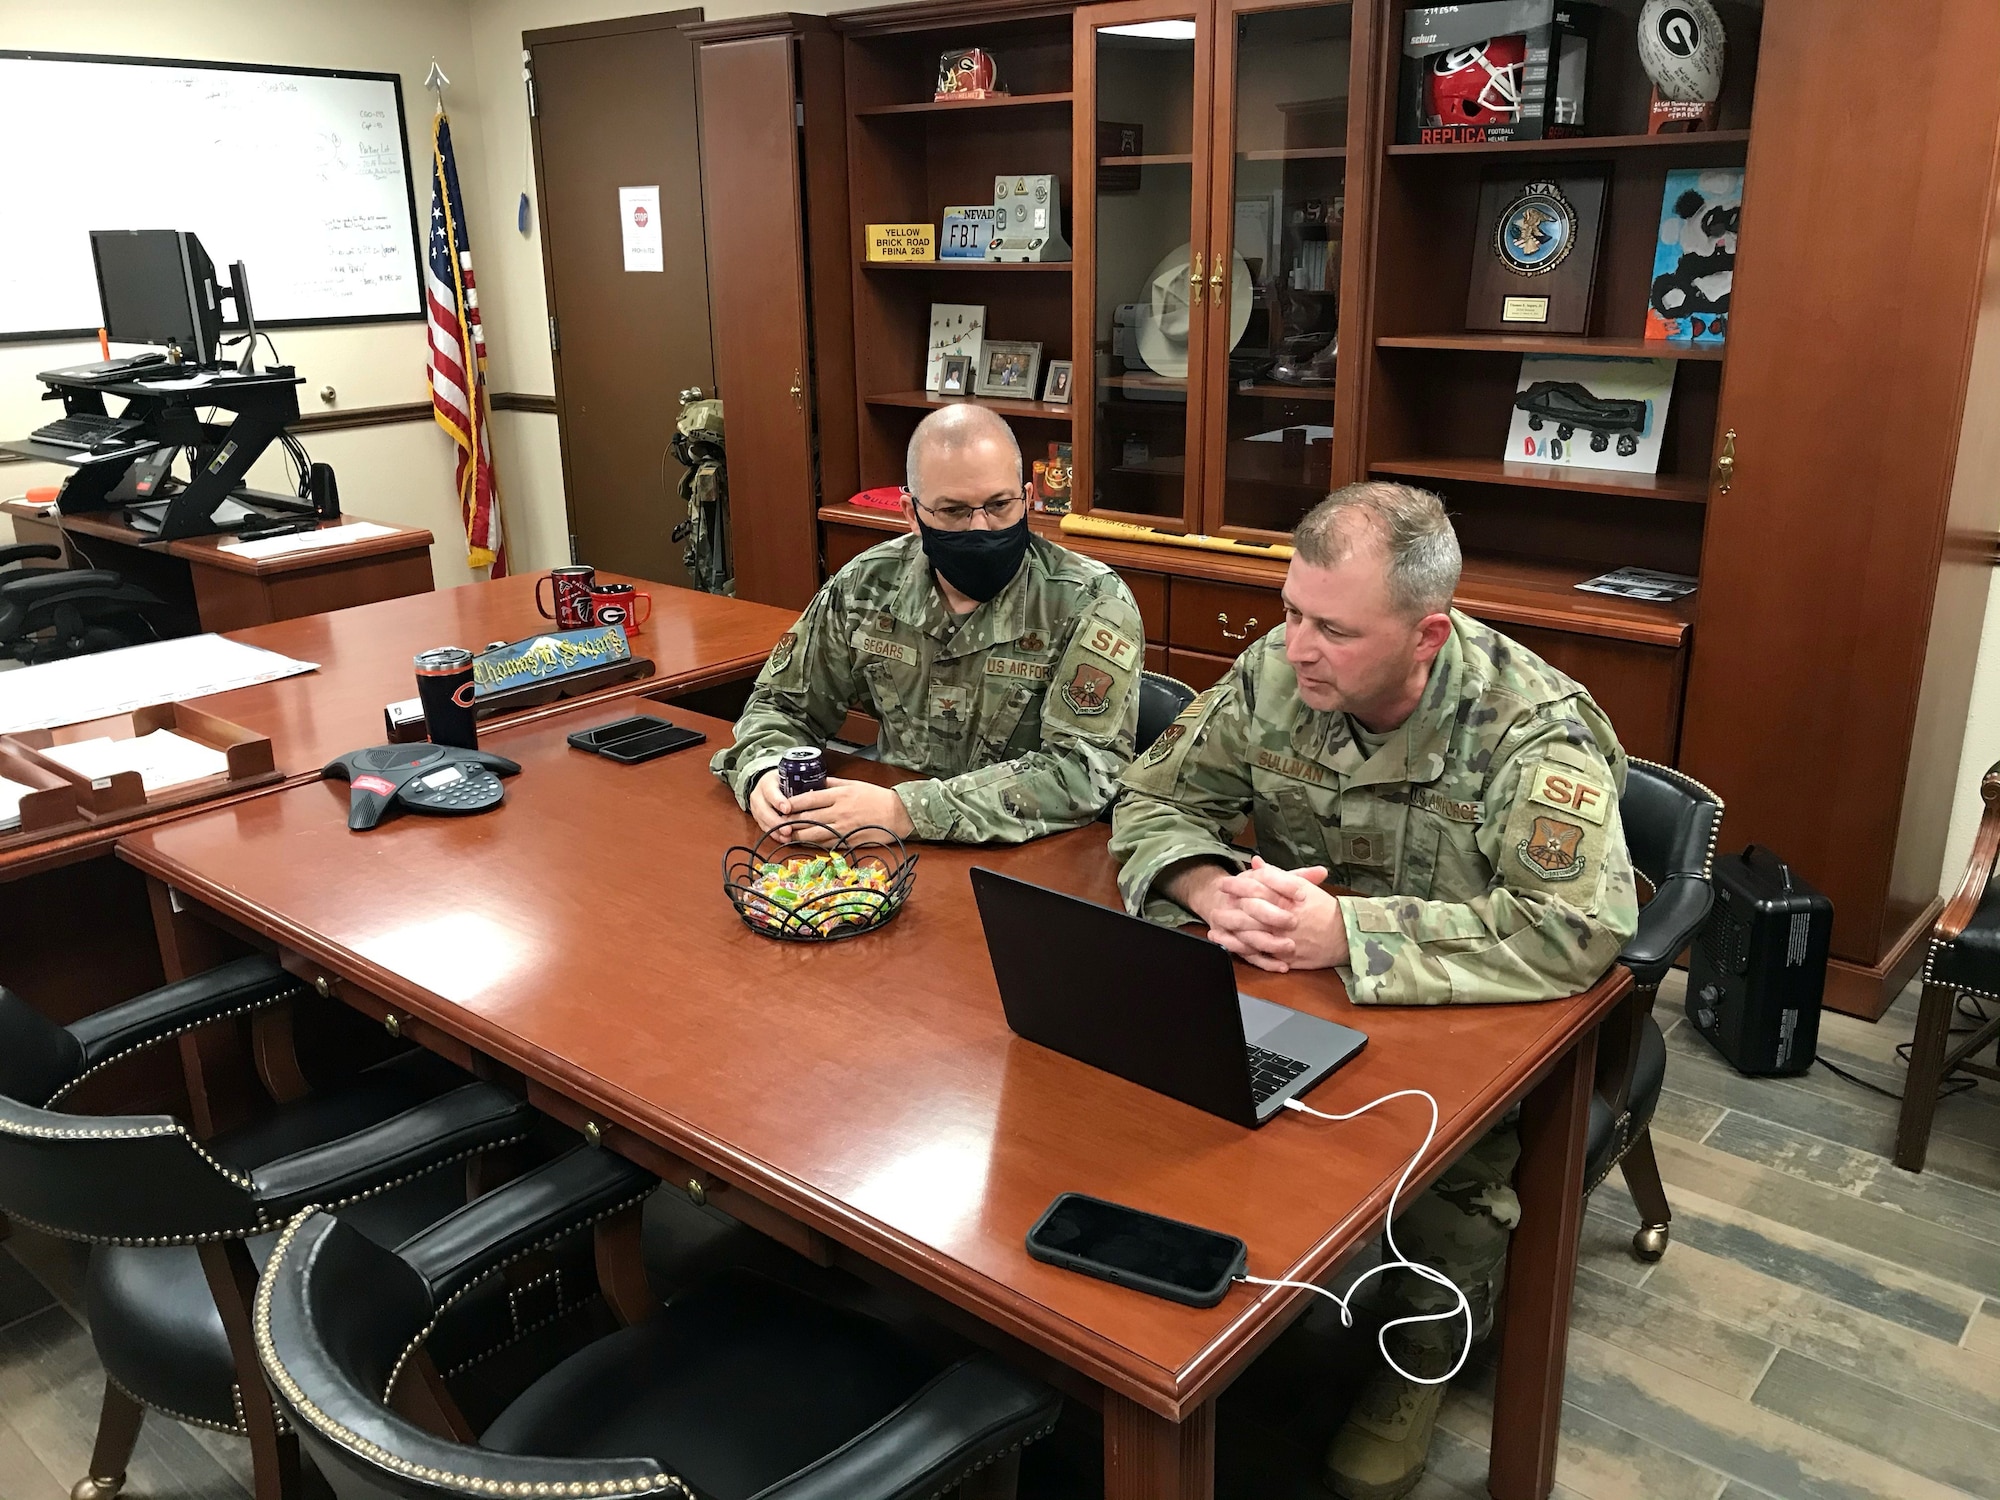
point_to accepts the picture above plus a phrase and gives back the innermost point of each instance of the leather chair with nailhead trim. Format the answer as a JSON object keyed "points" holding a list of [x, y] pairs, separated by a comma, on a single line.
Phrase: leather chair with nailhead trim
{"points": [[738, 1387], [1963, 960], [1671, 823], [179, 1225]]}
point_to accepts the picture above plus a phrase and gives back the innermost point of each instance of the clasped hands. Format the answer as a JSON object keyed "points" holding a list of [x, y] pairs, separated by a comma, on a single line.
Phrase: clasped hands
{"points": [[1276, 919], [841, 804]]}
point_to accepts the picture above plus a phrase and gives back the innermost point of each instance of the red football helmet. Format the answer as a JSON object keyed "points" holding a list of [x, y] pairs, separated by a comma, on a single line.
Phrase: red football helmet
{"points": [[1477, 85]]}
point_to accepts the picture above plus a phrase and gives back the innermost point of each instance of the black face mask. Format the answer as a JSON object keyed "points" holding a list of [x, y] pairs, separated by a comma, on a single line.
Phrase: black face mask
{"points": [[977, 563]]}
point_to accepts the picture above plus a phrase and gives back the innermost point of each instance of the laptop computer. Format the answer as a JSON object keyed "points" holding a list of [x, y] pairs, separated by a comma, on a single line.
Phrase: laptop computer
{"points": [[1153, 1005]]}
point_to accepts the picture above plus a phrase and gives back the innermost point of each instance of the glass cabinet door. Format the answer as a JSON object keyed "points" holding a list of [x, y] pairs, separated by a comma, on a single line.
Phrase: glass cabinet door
{"points": [[1278, 212], [1143, 100]]}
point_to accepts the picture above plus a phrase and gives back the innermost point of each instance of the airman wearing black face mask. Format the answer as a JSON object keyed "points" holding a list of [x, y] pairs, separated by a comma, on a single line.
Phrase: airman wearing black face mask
{"points": [[1002, 666]]}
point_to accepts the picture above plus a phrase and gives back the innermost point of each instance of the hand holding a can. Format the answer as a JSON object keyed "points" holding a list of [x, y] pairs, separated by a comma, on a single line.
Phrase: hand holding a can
{"points": [[841, 804]]}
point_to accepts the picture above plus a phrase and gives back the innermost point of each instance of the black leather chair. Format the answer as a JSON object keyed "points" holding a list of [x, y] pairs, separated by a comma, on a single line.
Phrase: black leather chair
{"points": [[1671, 822], [178, 1225], [47, 614], [1161, 699], [1963, 959], [739, 1387]]}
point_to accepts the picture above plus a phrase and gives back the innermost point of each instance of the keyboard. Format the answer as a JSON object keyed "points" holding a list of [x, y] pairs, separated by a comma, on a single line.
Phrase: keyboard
{"points": [[1271, 1071], [88, 430]]}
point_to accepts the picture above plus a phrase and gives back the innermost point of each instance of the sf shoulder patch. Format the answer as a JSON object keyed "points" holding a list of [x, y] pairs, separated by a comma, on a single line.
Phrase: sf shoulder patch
{"points": [[781, 654], [1089, 691], [1550, 850], [1574, 792], [1162, 747], [1108, 644]]}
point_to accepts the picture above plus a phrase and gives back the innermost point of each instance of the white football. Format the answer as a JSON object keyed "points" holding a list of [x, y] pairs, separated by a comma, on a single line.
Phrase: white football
{"points": [[1680, 47]]}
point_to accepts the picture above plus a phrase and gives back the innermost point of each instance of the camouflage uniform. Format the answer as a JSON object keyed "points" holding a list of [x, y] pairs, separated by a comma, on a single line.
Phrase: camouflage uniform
{"points": [[1024, 710], [1483, 839]]}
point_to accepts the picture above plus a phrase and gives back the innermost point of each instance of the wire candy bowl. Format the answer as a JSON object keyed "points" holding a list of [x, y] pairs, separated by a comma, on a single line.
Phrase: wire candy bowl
{"points": [[881, 873]]}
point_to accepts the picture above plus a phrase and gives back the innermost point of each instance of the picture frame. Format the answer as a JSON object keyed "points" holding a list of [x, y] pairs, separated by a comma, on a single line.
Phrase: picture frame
{"points": [[1008, 368], [956, 376], [1056, 390]]}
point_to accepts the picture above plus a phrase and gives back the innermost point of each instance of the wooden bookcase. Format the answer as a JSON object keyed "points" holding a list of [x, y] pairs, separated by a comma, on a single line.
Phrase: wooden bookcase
{"points": [[1820, 676]]}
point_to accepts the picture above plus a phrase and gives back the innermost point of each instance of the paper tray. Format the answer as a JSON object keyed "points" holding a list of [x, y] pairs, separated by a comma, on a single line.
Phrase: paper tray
{"points": [[111, 798], [52, 808]]}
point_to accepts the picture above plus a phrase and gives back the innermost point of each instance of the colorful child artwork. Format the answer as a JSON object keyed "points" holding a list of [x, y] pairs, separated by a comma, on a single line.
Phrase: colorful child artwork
{"points": [[1695, 260], [1590, 413]]}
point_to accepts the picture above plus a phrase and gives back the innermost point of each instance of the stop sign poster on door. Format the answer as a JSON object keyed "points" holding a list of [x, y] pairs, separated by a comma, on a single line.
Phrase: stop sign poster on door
{"points": [[639, 221]]}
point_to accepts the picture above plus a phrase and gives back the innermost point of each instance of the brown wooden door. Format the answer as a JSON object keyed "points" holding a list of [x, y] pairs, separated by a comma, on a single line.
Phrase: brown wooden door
{"points": [[615, 107], [757, 279], [1842, 396]]}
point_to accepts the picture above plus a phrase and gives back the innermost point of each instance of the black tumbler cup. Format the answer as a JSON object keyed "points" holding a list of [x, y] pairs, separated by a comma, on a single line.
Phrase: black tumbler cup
{"points": [[444, 683]]}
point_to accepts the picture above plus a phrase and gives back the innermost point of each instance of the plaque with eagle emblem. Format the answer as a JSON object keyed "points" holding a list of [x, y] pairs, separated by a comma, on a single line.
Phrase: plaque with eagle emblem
{"points": [[1535, 260]]}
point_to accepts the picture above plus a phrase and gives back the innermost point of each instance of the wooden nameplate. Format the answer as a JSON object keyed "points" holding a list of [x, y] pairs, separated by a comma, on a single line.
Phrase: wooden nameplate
{"points": [[111, 799]]}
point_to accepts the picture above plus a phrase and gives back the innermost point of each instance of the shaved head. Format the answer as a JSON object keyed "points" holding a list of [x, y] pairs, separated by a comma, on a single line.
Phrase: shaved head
{"points": [[954, 431]]}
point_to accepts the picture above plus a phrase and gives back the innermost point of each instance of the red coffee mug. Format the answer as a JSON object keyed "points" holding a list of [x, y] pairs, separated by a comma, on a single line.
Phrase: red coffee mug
{"points": [[569, 590], [619, 604]]}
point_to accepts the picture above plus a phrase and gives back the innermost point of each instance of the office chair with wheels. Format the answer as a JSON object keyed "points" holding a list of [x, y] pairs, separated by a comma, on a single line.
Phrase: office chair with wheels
{"points": [[47, 614], [738, 1387], [1671, 822], [179, 1225]]}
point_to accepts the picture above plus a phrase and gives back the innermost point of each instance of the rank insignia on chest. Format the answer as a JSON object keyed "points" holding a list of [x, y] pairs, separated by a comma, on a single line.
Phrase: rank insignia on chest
{"points": [[1550, 850], [1089, 691], [1162, 747], [948, 706]]}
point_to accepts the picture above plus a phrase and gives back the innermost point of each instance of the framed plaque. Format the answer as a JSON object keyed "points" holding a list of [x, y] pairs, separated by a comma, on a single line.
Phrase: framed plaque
{"points": [[1534, 253]]}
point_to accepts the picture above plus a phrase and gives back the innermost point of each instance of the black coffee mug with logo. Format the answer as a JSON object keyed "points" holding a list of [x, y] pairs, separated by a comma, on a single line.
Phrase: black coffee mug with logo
{"points": [[444, 683]]}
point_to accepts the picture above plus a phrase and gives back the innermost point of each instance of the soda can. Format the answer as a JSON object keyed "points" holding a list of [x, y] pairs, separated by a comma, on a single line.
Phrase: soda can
{"points": [[444, 684], [801, 769]]}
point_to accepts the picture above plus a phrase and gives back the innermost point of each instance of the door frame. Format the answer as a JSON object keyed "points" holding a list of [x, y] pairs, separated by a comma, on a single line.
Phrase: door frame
{"points": [[545, 36], [1357, 239], [1089, 19]]}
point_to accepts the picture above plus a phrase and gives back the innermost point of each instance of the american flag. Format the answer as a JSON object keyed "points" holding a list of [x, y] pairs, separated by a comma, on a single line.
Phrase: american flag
{"points": [[458, 358]]}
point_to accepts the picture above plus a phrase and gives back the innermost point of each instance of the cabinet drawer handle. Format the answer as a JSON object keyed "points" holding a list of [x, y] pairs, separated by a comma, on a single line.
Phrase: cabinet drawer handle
{"points": [[1725, 466], [1194, 281], [1236, 635], [1215, 279], [798, 389]]}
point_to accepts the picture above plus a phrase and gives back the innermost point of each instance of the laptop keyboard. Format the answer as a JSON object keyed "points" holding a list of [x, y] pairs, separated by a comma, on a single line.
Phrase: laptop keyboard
{"points": [[1271, 1071]]}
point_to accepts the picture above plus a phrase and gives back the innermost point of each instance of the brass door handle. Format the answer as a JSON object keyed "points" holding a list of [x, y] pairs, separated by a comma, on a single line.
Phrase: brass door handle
{"points": [[1725, 463], [1194, 281], [1215, 281], [1236, 635], [798, 389]]}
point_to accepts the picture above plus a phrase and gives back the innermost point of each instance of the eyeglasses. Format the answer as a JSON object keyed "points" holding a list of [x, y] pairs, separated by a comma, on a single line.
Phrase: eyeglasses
{"points": [[954, 517]]}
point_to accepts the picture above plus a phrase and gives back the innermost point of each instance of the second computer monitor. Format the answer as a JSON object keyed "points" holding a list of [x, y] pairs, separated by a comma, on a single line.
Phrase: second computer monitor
{"points": [[157, 286]]}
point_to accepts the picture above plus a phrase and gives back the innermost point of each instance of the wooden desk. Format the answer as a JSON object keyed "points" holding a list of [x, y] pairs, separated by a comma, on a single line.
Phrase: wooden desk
{"points": [[224, 591], [64, 897], [870, 1090]]}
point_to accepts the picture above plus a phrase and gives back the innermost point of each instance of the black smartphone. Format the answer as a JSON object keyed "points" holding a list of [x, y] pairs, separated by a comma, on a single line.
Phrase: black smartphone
{"points": [[1180, 1262], [641, 737]]}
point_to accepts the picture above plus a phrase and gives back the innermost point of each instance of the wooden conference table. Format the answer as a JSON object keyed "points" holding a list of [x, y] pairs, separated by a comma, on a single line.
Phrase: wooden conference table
{"points": [[76, 932], [868, 1095]]}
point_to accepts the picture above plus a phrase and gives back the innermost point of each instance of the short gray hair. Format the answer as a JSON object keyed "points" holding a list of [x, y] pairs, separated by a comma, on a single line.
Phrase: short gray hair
{"points": [[1414, 532], [953, 428]]}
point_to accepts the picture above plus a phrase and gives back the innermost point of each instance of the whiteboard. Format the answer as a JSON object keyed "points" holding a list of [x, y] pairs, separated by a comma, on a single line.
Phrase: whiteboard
{"points": [[301, 174]]}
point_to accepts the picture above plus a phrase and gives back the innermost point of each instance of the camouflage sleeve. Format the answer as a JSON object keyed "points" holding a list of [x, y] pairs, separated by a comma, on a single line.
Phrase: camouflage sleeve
{"points": [[802, 695], [1090, 715], [1184, 797], [1561, 904]]}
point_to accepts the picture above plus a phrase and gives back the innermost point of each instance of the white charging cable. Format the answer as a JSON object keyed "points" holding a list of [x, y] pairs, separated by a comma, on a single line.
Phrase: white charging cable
{"points": [[1397, 1261]]}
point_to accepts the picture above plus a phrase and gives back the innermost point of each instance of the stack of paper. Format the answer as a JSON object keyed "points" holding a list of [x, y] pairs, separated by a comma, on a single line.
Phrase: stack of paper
{"points": [[307, 541], [162, 759], [116, 682], [11, 793]]}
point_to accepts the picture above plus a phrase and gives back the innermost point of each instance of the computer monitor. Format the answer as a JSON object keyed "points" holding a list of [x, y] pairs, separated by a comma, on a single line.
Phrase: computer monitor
{"points": [[157, 286]]}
